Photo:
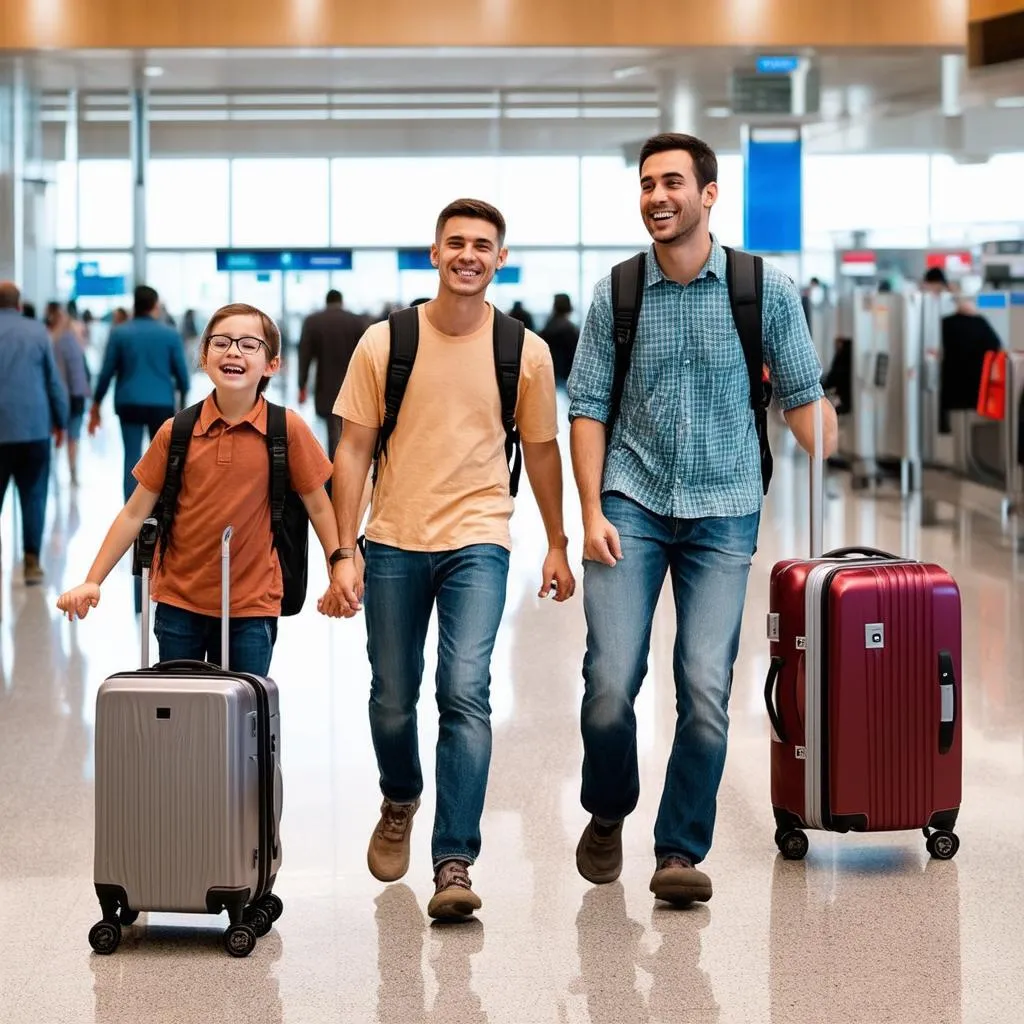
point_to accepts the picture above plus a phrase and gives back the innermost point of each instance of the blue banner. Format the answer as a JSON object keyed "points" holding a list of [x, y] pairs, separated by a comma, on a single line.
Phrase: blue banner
{"points": [[773, 192], [773, 65], [90, 283], [265, 260], [992, 300], [414, 259]]}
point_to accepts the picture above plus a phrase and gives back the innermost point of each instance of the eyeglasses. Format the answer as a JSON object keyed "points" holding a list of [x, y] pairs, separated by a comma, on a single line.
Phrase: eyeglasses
{"points": [[247, 346]]}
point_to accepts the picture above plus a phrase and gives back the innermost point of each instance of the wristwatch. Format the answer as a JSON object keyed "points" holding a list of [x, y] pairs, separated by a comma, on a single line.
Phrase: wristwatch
{"points": [[338, 554]]}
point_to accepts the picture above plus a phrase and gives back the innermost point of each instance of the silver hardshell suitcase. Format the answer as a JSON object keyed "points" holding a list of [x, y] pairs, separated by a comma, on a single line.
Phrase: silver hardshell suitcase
{"points": [[188, 789]]}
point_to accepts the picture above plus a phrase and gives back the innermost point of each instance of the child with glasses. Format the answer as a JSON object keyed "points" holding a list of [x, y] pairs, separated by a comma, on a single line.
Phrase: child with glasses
{"points": [[225, 480]]}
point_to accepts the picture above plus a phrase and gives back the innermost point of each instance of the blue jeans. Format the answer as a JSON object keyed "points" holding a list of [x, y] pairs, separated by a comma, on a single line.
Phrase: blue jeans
{"points": [[28, 464], [468, 586], [184, 634], [709, 560], [135, 421]]}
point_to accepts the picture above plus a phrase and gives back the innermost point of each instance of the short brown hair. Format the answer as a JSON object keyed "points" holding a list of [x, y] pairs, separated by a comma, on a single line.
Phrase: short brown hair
{"points": [[475, 208], [271, 333], [705, 163]]}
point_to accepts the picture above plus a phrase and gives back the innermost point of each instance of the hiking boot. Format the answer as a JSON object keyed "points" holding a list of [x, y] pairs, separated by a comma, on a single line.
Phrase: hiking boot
{"points": [[678, 882], [33, 570], [453, 899], [388, 854], [599, 852]]}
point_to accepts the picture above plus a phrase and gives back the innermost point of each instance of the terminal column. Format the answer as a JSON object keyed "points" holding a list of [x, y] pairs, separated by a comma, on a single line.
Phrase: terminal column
{"points": [[26, 253], [140, 175]]}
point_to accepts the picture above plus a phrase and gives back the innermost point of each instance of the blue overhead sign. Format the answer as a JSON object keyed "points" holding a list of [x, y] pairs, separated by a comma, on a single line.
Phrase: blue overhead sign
{"points": [[992, 300], [264, 260], [414, 259], [772, 65], [90, 283]]}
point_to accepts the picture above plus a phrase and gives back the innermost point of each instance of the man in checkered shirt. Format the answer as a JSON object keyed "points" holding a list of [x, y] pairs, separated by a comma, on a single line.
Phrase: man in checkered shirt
{"points": [[675, 488]]}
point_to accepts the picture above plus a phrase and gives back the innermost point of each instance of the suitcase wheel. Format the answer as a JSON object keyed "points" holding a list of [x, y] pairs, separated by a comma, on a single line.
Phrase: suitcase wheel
{"points": [[943, 845], [105, 937], [240, 940], [258, 919], [793, 844], [272, 904]]}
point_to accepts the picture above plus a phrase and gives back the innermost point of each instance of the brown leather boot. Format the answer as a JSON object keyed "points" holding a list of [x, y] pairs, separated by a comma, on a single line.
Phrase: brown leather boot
{"points": [[678, 882], [453, 899], [599, 853], [33, 570], [388, 854]]}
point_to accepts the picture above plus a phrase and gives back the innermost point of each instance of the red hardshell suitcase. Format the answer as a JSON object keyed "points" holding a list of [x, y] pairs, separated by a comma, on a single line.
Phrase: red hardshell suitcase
{"points": [[864, 696]]}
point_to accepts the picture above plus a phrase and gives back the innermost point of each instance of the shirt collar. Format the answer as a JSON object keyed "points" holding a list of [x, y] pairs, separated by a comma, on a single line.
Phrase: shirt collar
{"points": [[210, 415], [715, 265]]}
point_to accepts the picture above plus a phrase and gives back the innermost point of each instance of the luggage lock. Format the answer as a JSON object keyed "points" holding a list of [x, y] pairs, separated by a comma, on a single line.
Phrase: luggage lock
{"points": [[874, 636]]}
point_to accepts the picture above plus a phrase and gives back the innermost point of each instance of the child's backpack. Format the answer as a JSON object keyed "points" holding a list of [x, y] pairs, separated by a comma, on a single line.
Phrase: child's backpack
{"points": [[289, 520]]}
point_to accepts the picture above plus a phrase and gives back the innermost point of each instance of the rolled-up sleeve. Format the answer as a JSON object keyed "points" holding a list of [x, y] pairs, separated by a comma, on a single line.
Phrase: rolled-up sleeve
{"points": [[788, 349], [590, 381]]}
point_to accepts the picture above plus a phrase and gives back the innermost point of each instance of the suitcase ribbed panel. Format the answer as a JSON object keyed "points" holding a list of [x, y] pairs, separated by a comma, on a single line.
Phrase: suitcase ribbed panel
{"points": [[885, 702], [176, 798]]}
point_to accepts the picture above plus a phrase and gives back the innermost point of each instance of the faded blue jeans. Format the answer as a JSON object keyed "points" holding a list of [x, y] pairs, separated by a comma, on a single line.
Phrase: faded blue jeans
{"points": [[468, 586], [709, 560]]}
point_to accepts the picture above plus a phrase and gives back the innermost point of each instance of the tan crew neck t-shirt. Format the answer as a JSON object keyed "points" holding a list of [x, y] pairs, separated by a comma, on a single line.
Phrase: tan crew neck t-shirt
{"points": [[444, 483]]}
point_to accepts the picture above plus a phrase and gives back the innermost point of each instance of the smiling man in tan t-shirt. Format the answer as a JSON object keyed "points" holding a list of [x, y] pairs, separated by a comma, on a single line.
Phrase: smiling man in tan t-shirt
{"points": [[438, 533]]}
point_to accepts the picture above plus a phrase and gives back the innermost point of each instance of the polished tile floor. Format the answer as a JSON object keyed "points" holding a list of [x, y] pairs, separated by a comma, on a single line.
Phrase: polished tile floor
{"points": [[867, 929]]}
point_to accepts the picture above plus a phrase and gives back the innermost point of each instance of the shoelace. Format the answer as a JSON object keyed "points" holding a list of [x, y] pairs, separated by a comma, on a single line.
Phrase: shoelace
{"points": [[453, 873], [394, 821]]}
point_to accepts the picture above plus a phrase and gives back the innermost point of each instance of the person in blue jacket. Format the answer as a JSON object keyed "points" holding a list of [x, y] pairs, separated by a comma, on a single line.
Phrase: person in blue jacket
{"points": [[147, 359], [33, 405]]}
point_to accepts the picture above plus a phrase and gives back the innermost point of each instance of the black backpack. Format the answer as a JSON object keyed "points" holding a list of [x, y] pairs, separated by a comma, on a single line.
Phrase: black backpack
{"points": [[509, 334], [744, 276], [289, 520]]}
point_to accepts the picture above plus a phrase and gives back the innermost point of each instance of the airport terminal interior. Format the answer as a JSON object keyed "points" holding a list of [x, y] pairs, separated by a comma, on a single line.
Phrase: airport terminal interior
{"points": [[877, 161]]}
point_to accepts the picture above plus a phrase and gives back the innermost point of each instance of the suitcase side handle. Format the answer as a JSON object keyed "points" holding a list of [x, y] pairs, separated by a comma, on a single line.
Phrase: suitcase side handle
{"points": [[769, 697], [858, 551], [947, 689]]}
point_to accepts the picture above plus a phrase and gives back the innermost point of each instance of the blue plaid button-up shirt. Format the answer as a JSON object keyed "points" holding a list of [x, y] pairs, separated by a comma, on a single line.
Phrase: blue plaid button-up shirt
{"points": [[684, 444]]}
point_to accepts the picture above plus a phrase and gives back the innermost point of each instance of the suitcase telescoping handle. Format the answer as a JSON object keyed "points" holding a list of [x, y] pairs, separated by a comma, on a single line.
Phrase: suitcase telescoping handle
{"points": [[225, 596], [769, 697], [817, 509], [146, 549]]}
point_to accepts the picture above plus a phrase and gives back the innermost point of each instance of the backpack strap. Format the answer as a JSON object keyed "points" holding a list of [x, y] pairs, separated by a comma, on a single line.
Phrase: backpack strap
{"points": [[627, 296], [744, 274], [404, 325], [277, 446], [509, 335], [182, 426]]}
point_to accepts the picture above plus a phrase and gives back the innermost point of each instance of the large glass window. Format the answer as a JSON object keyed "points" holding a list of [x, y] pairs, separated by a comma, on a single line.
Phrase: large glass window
{"points": [[541, 274], [188, 280], [66, 207], [105, 204], [539, 198], [279, 203], [865, 192], [396, 200], [975, 202], [610, 203], [187, 204]]}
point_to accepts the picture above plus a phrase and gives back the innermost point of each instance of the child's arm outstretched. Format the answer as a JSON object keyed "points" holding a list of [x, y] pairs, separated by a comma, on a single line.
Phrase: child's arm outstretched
{"points": [[124, 530]]}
